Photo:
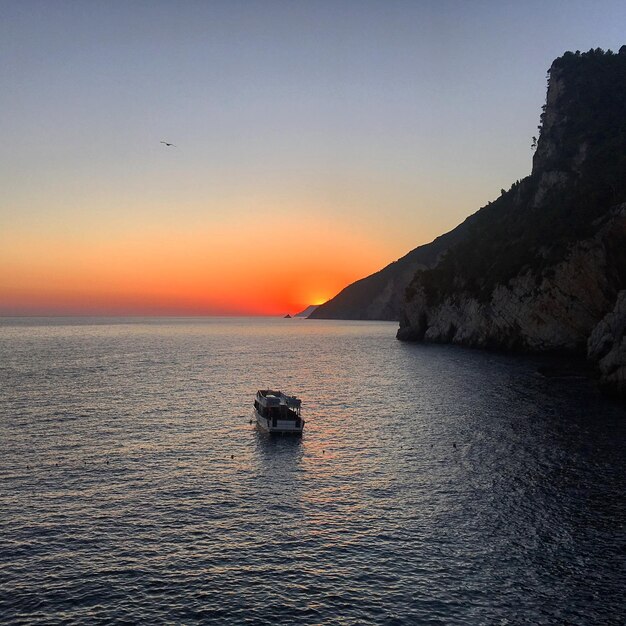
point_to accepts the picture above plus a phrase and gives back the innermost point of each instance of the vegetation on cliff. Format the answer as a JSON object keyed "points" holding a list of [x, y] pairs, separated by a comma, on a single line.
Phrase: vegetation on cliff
{"points": [[579, 173]]}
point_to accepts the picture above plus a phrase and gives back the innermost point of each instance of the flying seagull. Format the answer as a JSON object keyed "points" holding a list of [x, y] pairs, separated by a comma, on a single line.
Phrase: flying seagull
{"points": [[168, 144]]}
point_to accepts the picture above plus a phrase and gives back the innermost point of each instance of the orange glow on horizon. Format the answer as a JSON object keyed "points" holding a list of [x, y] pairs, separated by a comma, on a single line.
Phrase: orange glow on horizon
{"points": [[256, 266], [318, 301]]}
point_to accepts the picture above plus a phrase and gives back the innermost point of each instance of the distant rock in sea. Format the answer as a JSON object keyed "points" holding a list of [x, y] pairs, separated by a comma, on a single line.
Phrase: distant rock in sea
{"points": [[307, 312], [287, 317]]}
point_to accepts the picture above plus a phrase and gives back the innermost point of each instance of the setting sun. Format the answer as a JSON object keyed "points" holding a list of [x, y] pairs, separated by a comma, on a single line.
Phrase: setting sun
{"points": [[317, 300], [282, 342], [224, 265]]}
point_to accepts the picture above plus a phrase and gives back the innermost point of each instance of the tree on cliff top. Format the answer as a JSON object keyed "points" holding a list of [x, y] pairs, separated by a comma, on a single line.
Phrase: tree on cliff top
{"points": [[578, 175]]}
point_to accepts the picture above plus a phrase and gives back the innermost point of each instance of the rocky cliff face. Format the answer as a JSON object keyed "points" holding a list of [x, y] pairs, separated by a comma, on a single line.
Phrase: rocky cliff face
{"points": [[555, 308], [544, 266], [607, 347]]}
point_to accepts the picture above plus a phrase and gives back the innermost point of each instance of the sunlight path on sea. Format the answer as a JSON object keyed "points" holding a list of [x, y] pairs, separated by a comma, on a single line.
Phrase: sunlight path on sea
{"points": [[432, 484]]}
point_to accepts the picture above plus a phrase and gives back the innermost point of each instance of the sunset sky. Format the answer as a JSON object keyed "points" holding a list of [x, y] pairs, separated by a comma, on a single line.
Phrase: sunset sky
{"points": [[315, 142]]}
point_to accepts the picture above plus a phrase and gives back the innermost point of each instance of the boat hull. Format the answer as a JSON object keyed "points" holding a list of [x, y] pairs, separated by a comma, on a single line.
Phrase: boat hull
{"points": [[278, 426]]}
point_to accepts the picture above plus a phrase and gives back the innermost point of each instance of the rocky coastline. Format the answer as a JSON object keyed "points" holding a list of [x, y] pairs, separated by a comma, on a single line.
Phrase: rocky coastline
{"points": [[543, 268]]}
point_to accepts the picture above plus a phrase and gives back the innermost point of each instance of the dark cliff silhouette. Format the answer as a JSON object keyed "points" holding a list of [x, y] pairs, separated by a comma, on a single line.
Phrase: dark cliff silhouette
{"points": [[578, 172], [542, 267]]}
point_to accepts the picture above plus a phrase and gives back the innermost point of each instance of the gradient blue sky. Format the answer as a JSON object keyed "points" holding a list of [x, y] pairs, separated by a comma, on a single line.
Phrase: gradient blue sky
{"points": [[386, 122]]}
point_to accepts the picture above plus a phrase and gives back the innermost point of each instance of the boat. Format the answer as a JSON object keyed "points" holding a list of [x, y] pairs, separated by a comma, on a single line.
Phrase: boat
{"points": [[276, 412]]}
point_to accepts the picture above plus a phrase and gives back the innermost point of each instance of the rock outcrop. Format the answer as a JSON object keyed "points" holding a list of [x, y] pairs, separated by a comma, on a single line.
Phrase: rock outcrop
{"points": [[607, 347], [307, 312], [543, 268], [554, 309]]}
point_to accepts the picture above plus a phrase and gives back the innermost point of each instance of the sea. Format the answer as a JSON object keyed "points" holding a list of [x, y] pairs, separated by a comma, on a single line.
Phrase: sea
{"points": [[432, 485]]}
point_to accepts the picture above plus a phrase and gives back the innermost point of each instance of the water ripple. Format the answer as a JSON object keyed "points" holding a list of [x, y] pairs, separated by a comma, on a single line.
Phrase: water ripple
{"points": [[432, 485]]}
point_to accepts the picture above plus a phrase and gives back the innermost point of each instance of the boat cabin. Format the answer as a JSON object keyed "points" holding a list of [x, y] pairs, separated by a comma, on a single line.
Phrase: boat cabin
{"points": [[277, 411]]}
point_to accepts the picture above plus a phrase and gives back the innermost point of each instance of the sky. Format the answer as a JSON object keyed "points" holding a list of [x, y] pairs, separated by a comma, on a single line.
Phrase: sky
{"points": [[315, 142]]}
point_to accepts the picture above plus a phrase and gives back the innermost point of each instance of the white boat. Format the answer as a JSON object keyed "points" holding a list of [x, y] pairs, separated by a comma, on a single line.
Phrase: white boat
{"points": [[276, 412]]}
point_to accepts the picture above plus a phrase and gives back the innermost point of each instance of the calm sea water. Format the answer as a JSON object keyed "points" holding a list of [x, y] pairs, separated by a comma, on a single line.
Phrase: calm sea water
{"points": [[134, 489]]}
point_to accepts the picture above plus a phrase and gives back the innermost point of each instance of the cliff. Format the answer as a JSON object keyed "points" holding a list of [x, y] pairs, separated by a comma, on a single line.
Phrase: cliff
{"points": [[307, 312], [607, 346], [381, 295], [541, 267]]}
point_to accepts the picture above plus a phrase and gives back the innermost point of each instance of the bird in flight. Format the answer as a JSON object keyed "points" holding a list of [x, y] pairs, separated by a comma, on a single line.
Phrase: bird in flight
{"points": [[168, 144]]}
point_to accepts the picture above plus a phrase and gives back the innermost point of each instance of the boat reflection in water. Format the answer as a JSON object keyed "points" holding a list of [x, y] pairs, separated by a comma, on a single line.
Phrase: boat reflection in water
{"points": [[276, 412]]}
